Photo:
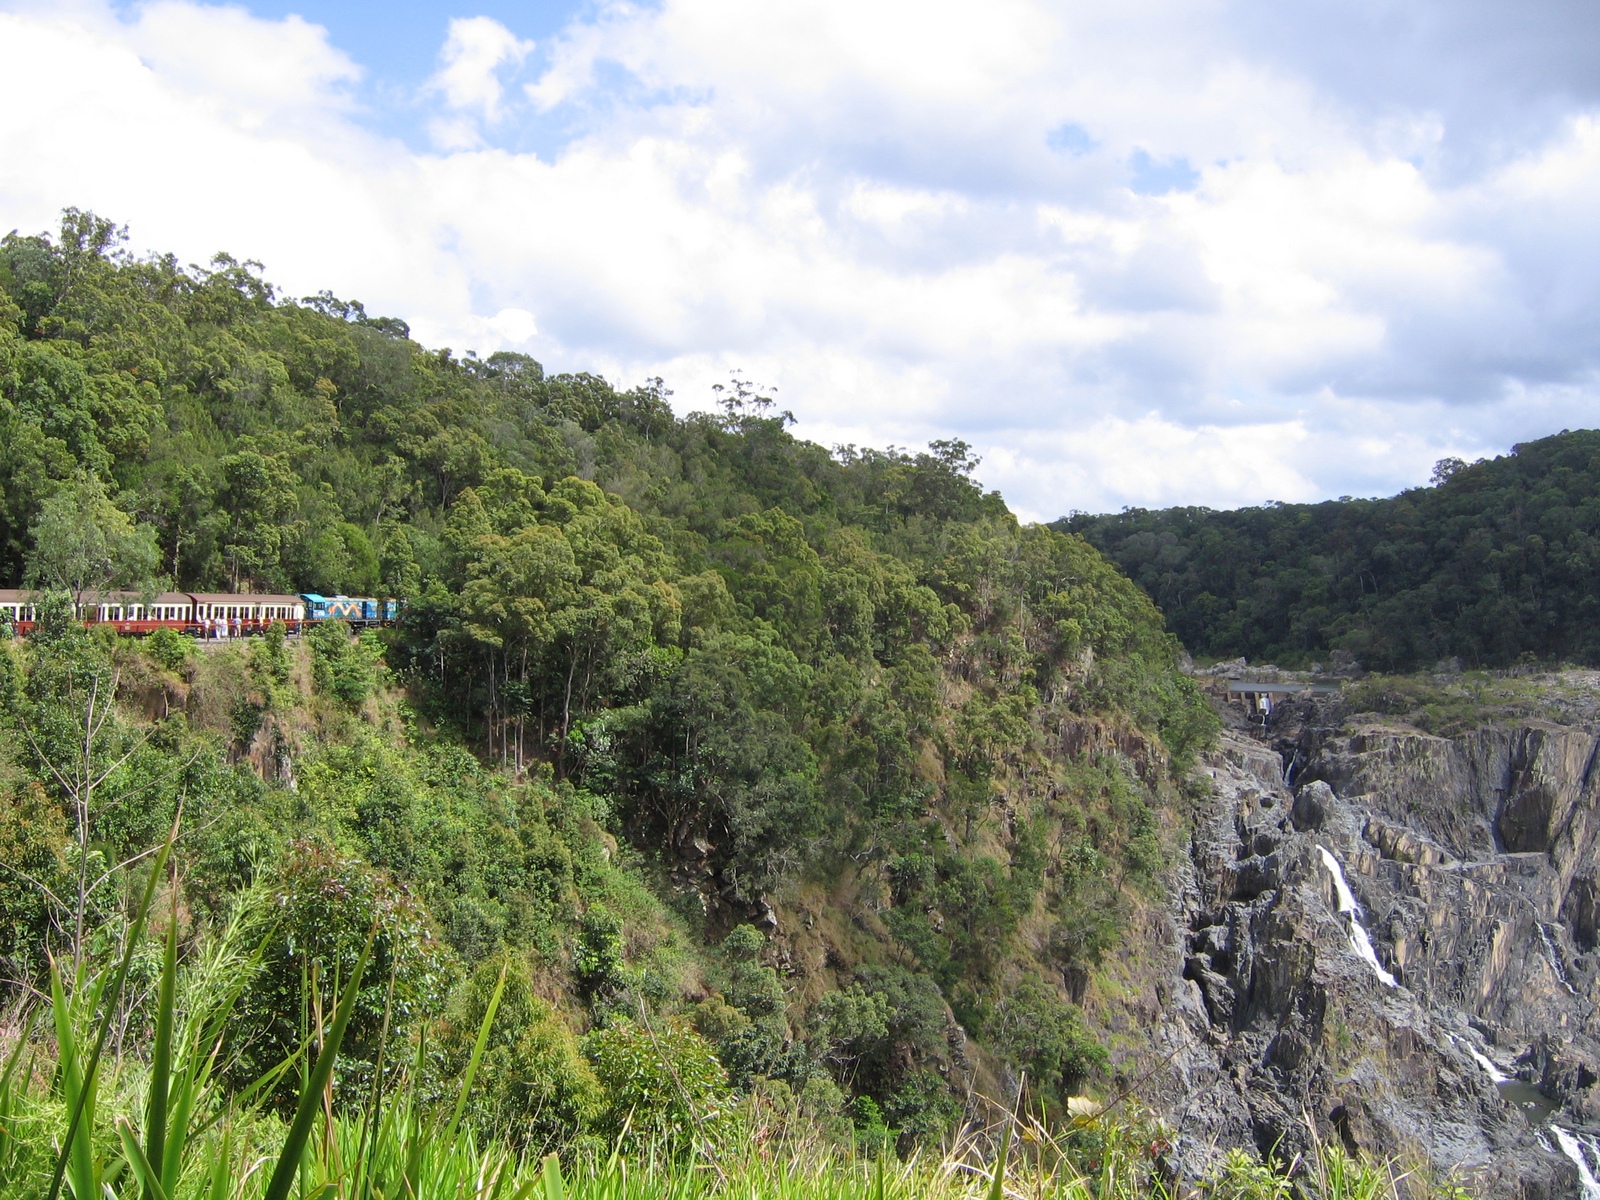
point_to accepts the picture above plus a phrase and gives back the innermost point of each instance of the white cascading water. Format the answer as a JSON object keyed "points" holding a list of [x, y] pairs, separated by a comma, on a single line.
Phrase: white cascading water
{"points": [[1483, 1060], [1573, 1149], [1555, 958], [1358, 932]]}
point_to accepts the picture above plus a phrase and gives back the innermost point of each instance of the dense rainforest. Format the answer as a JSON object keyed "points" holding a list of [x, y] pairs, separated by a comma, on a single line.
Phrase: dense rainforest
{"points": [[727, 765], [1498, 561]]}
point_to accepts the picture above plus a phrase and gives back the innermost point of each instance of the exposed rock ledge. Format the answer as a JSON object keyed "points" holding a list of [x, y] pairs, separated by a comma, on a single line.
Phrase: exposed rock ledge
{"points": [[1476, 860]]}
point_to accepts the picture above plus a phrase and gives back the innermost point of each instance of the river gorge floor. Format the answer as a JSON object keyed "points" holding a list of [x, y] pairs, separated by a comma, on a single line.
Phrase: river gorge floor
{"points": [[1388, 936]]}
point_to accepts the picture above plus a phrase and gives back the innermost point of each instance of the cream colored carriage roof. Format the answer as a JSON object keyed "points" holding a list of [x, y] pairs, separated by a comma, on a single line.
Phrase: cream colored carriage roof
{"points": [[245, 598], [25, 596]]}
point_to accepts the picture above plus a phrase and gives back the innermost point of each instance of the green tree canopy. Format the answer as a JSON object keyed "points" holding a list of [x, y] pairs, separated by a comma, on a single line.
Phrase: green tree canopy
{"points": [[83, 543]]}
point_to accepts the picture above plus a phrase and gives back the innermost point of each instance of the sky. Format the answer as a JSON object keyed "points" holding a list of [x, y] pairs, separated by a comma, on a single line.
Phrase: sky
{"points": [[1147, 253]]}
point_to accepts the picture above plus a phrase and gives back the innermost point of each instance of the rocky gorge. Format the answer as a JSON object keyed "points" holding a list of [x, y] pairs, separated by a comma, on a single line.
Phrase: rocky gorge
{"points": [[1390, 937]]}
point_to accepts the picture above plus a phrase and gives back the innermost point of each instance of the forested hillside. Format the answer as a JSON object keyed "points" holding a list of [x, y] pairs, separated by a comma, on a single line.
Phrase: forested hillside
{"points": [[1497, 561], [810, 765]]}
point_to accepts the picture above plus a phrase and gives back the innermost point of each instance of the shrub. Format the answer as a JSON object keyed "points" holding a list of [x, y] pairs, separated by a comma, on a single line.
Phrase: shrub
{"points": [[33, 842], [848, 1023], [1037, 1029], [169, 648], [752, 988], [922, 1108], [662, 1084], [311, 919], [534, 1086], [597, 955], [349, 668], [747, 1025]]}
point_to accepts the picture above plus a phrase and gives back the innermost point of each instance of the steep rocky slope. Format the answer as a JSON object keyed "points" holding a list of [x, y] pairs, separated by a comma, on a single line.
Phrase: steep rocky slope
{"points": [[1474, 860]]}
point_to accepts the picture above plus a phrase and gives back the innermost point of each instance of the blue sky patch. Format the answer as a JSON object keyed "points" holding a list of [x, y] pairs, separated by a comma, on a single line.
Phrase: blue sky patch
{"points": [[1070, 139], [1157, 178]]}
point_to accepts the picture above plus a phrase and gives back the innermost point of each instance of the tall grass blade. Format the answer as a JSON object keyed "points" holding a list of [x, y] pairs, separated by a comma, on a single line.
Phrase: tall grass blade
{"points": [[156, 1110], [76, 1152], [997, 1185], [294, 1145], [89, 1078], [554, 1188], [413, 1167], [148, 1181], [478, 1049], [222, 1168], [372, 1118]]}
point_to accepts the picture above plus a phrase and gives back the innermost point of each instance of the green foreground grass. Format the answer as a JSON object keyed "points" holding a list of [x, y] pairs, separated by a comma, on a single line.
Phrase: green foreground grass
{"points": [[94, 1107], [409, 1152]]}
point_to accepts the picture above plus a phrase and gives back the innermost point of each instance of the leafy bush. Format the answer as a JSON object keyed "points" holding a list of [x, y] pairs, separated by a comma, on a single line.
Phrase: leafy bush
{"points": [[311, 918], [33, 845], [922, 1108], [534, 1086], [597, 965], [349, 668], [1038, 1029], [169, 648], [663, 1086]]}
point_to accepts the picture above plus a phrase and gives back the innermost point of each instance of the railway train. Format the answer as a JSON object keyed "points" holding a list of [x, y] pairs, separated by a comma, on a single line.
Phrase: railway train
{"points": [[208, 615]]}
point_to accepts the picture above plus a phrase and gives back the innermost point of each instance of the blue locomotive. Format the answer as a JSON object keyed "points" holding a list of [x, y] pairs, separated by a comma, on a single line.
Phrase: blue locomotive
{"points": [[359, 611]]}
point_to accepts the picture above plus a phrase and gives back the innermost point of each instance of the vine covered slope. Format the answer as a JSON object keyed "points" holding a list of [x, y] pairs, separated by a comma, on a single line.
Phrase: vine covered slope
{"points": [[818, 765]]}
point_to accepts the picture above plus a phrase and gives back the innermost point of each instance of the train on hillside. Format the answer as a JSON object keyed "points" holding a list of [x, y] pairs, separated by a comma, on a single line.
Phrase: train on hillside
{"points": [[206, 615]]}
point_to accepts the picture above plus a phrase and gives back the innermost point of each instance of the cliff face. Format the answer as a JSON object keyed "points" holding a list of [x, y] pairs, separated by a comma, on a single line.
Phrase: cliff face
{"points": [[1475, 863]]}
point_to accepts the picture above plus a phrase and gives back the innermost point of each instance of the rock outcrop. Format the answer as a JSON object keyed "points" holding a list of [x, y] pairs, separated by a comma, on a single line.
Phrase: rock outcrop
{"points": [[1474, 861]]}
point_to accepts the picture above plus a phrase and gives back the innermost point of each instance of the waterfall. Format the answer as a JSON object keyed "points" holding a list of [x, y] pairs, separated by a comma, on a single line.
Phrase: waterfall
{"points": [[1495, 1073], [1555, 958], [1482, 1059], [1573, 1149], [1358, 932]]}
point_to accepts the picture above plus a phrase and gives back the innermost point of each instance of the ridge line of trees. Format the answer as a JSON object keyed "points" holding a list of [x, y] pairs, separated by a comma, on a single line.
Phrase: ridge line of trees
{"points": [[1496, 561]]}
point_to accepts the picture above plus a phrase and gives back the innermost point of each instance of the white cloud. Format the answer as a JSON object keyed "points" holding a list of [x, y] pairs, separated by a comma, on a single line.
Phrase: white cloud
{"points": [[515, 325], [252, 71], [476, 50], [857, 201]]}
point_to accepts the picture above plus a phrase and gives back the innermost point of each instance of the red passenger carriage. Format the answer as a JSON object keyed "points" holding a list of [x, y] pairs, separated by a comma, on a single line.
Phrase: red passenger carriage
{"points": [[200, 614]]}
